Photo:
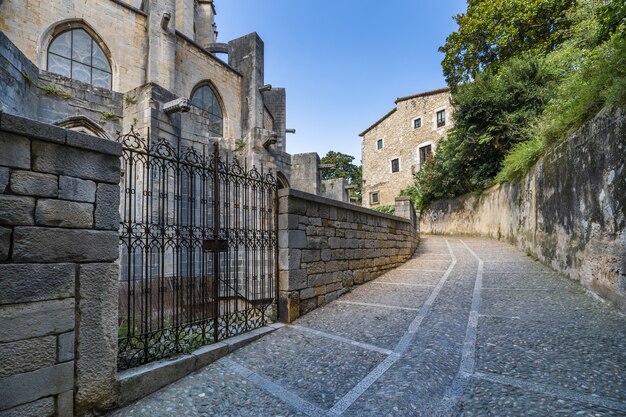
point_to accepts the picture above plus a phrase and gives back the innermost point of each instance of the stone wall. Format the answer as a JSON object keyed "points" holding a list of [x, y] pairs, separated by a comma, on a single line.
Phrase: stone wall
{"points": [[305, 173], [335, 189], [569, 211], [326, 247], [401, 140], [59, 199]]}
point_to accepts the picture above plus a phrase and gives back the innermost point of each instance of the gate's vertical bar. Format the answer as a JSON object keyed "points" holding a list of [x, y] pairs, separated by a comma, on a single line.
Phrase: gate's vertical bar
{"points": [[216, 231], [275, 281]]}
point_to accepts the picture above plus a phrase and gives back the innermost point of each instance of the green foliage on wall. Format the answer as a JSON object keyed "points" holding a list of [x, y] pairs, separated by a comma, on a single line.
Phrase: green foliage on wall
{"points": [[524, 102]]}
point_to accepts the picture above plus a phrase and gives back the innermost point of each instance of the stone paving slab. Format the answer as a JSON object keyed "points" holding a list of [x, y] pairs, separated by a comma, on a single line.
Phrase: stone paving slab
{"points": [[412, 277], [595, 363], [525, 280], [318, 369], [374, 325], [485, 398], [213, 391], [477, 328], [542, 305], [392, 295]]}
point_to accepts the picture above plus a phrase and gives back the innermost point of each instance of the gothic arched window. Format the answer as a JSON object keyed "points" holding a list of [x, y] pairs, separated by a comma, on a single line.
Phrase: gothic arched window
{"points": [[204, 98], [75, 54]]}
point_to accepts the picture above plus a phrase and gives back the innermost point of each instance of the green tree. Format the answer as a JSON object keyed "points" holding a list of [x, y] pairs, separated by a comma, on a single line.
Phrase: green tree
{"points": [[344, 168], [491, 31], [493, 113]]}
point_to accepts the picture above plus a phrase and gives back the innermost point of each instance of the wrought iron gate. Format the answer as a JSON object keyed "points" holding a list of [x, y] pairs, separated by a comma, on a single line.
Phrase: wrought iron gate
{"points": [[198, 243]]}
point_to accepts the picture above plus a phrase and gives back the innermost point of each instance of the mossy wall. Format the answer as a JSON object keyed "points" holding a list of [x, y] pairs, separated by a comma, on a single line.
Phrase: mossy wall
{"points": [[569, 211]]}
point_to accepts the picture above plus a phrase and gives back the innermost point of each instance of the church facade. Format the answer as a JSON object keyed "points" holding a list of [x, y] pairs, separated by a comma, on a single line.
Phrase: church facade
{"points": [[154, 66]]}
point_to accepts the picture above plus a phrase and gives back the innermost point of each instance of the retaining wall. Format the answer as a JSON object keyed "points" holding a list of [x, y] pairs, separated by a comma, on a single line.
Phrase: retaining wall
{"points": [[569, 211], [59, 199], [326, 247]]}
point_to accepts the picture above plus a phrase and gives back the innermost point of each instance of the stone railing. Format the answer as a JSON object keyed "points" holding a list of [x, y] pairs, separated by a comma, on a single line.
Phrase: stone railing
{"points": [[326, 247], [59, 199], [569, 211]]}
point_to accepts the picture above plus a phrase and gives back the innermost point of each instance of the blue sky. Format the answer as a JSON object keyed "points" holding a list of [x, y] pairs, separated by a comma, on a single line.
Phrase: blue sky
{"points": [[343, 62]]}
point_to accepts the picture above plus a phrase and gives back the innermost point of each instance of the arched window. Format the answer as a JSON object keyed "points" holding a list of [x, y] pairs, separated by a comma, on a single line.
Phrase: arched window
{"points": [[204, 98], [75, 54]]}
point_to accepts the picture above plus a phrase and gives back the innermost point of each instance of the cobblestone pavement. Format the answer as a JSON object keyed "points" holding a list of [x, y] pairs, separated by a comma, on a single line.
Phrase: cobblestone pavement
{"points": [[467, 327]]}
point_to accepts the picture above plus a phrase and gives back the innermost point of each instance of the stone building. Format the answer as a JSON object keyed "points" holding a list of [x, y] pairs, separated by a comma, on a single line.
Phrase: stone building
{"points": [[103, 66], [396, 147]]}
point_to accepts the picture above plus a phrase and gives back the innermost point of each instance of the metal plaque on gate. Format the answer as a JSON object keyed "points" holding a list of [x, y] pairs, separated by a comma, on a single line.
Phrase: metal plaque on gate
{"points": [[215, 245]]}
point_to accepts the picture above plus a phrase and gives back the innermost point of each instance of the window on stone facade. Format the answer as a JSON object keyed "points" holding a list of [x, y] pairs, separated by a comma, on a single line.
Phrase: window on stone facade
{"points": [[417, 123], [374, 198], [204, 98], [395, 165], [441, 118], [75, 54], [379, 144], [425, 154]]}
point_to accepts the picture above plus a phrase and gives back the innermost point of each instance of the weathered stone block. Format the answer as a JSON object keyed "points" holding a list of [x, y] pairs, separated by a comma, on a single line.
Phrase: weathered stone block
{"points": [[43, 407], [308, 305], [331, 297], [96, 364], [289, 259], [4, 178], [27, 355], [287, 221], [61, 213], [94, 143], [40, 244], [75, 189], [55, 159], [32, 128], [34, 183], [295, 239], [66, 343], [23, 321], [307, 293], [30, 386], [5, 245], [315, 267], [23, 283], [17, 211], [65, 404], [15, 151], [311, 255], [288, 306], [297, 279], [107, 213]]}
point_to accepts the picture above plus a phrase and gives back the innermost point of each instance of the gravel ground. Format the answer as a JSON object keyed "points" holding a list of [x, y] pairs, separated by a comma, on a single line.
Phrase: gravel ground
{"points": [[529, 342]]}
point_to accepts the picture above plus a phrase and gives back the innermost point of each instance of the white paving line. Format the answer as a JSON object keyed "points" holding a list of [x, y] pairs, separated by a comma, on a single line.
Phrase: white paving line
{"points": [[519, 289], [376, 305], [401, 284], [468, 359], [552, 390], [298, 403], [347, 400], [419, 269], [341, 339]]}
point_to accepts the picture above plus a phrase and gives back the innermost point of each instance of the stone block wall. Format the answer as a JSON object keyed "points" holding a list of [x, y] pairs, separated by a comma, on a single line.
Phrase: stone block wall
{"points": [[326, 247], [569, 211], [59, 220]]}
